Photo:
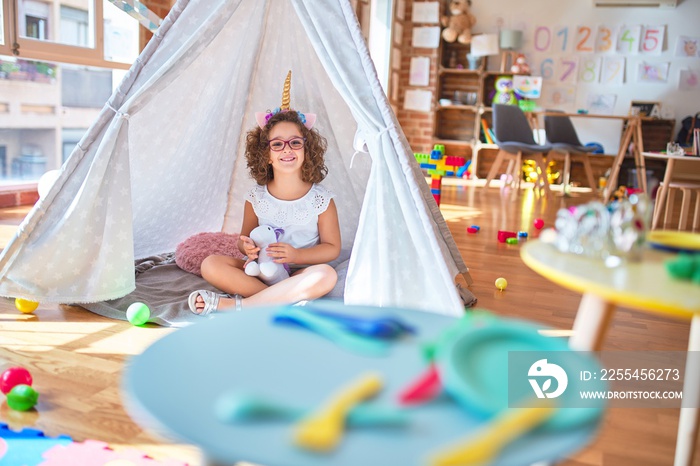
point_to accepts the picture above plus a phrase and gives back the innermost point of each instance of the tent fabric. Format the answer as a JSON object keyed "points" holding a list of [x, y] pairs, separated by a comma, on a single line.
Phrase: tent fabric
{"points": [[164, 160]]}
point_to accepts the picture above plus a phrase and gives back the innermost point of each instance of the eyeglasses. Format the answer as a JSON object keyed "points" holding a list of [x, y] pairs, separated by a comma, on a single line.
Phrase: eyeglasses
{"points": [[278, 145]]}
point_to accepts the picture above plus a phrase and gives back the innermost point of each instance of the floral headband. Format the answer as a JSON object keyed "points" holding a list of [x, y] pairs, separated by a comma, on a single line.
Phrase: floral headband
{"points": [[308, 119]]}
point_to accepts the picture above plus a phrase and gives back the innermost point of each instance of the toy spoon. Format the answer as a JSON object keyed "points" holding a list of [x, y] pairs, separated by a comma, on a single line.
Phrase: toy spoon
{"points": [[240, 407], [323, 429]]}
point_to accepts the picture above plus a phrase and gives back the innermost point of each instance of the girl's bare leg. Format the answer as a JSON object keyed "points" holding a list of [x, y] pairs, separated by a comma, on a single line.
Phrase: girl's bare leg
{"points": [[226, 273], [308, 283]]}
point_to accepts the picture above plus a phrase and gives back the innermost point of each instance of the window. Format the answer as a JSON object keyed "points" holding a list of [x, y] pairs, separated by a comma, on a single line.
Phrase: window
{"points": [[70, 55]]}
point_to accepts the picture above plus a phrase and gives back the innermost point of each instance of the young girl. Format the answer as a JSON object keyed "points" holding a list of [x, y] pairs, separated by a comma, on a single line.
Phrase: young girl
{"points": [[285, 157]]}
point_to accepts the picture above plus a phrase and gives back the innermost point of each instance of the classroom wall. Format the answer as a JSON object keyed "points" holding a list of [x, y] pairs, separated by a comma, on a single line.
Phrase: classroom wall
{"points": [[558, 14]]}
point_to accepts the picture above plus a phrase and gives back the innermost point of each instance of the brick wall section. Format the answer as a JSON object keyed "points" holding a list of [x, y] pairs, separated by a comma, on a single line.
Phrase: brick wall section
{"points": [[418, 126], [17, 198]]}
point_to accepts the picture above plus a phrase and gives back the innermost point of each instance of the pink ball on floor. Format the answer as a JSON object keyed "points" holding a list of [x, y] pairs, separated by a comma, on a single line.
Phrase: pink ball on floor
{"points": [[539, 223], [190, 253]]}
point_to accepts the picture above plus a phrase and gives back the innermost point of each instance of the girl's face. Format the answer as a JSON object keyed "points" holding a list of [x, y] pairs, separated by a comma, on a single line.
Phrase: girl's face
{"points": [[287, 136]]}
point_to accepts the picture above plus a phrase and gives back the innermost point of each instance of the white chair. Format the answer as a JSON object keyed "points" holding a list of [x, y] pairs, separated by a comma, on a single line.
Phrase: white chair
{"points": [[687, 188]]}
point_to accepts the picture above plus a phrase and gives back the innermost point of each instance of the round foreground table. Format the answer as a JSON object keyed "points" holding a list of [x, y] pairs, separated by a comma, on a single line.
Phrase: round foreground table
{"points": [[644, 285], [173, 386]]}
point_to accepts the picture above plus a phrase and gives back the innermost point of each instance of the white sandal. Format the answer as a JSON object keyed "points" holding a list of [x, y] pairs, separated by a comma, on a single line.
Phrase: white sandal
{"points": [[211, 301]]}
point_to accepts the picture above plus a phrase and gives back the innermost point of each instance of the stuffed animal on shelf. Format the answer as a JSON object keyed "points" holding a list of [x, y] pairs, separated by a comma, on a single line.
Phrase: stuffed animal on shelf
{"points": [[520, 66], [458, 26], [265, 268], [504, 91]]}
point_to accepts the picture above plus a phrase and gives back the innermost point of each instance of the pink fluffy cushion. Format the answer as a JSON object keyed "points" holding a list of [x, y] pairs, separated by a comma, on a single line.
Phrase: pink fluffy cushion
{"points": [[190, 253]]}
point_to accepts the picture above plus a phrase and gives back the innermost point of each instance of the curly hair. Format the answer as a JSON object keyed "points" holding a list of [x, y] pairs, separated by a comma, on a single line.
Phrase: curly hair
{"points": [[257, 150]]}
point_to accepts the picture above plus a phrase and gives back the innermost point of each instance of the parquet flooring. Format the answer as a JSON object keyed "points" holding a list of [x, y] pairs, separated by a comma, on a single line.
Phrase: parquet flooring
{"points": [[77, 357]]}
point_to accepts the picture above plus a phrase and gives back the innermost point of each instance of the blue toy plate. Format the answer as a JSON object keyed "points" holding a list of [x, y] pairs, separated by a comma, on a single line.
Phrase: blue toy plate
{"points": [[474, 369]]}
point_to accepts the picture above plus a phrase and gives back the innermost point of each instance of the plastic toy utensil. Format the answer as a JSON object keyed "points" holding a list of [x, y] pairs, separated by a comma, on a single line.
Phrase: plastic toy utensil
{"points": [[377, 327], [323, 429], [240, 407], [424, 388], [332, 331], [487, 443]]}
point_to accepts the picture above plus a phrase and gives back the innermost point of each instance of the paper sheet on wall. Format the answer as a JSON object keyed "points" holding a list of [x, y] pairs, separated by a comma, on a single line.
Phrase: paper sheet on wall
{"points": [[419, 74], [613, 71], [601, 104], [426, 12], [426, 37], [689, 80], [529, 87], [687, 46], [652, 72], [418, 100], [559, 96]]}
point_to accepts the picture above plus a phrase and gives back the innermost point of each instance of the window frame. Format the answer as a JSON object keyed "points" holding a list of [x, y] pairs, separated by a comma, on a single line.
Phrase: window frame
{"points": [[42, 50]]}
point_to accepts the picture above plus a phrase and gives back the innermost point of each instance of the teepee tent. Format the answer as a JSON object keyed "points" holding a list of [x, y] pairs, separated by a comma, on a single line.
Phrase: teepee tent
{"points": [[163, 160]]}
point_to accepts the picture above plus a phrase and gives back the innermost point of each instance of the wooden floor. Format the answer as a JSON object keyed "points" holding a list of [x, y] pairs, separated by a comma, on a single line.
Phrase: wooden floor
{"points": [[77, 357]]}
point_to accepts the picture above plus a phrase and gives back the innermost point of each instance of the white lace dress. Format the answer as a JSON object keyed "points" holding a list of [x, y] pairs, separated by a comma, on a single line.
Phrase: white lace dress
{"points": [[298, 218]]}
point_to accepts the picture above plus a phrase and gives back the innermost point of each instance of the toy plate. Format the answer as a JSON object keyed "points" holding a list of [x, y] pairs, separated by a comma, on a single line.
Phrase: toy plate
{"points": [[677, 241], [474, 369]]}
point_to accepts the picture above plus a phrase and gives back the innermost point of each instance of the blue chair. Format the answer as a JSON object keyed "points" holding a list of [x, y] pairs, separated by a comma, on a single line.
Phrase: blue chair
{"points": [[561, 134], [515, 142]]}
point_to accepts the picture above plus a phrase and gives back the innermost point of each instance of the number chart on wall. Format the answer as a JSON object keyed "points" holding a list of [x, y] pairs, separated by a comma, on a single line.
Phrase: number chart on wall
{"points": [[588, 54]]}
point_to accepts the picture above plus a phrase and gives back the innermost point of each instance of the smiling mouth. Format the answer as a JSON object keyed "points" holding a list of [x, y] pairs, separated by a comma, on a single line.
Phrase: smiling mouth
{"points": [[287, 159]]}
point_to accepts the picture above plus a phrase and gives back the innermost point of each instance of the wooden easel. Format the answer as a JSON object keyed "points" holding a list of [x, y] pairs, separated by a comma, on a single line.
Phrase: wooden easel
{"points": [[633, 133]]}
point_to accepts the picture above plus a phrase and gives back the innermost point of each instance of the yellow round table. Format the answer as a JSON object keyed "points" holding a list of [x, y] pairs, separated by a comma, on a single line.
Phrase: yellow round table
{"points": [[644, 285]]}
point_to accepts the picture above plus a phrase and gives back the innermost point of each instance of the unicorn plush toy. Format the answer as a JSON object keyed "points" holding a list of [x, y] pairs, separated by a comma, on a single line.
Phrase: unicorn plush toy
{"points": [[265, 268]]}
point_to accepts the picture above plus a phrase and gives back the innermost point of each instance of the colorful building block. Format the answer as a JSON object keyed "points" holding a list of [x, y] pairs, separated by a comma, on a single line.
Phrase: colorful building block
{"points": [[438, 165], [504, 235]]}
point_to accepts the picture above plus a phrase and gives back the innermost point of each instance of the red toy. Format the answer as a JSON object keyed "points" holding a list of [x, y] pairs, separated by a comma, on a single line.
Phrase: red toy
{"points": [[504, 235], [14, 376], [472, 230], [539, 223]]}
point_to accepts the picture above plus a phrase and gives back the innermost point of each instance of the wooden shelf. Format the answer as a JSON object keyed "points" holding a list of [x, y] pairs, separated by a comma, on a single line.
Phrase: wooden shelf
{"points": [[443, 70], [472, 108], [453, 142]]}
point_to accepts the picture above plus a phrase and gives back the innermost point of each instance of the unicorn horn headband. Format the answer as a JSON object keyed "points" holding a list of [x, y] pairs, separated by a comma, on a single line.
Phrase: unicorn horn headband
{"points": [[308, 119]]}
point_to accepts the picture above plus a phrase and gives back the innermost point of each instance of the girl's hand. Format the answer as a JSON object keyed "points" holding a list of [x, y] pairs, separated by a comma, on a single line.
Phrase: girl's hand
{"points": [[249, 248], [282, 253]]}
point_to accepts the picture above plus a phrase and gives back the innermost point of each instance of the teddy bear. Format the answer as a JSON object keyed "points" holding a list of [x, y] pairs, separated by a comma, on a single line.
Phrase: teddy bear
{"points": [[265, 268], [520, 66], [458, 25]]}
